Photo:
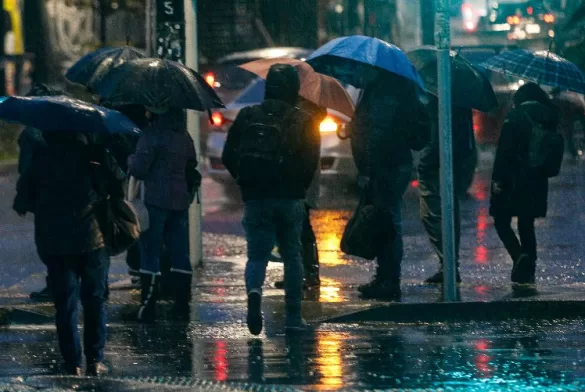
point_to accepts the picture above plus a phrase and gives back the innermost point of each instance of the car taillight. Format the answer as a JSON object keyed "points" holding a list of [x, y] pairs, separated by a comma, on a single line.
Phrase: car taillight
{"points": [[217, 119], [529, 10], [549, 18], [328, 125], [210, 78], [513, 20]]}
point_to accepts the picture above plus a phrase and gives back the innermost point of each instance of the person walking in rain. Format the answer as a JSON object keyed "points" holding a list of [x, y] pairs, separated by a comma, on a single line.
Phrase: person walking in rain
{"points": [[165, 159], [31, 142], [273, 152], [389, 121], [59, 190], [519, 189], [430, 184]]}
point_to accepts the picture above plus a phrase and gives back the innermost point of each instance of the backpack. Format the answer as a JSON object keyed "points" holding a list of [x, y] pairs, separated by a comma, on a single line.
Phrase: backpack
{"points": [[546, 150], [261, 150]]}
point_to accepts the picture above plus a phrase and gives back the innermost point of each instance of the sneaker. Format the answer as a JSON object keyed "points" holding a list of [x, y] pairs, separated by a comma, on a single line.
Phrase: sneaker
{"points": [[96, 369], [44, 295], [380, 289], [254, 318], [523, 270], [438, 278], [298, 325], [73, 371]]}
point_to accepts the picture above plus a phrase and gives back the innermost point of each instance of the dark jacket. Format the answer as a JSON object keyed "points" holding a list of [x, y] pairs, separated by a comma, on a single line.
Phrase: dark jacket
{"points": [[30, 142], [299, 163], [463, 140], [164, 153], [525, 191], [59, 189], [379, 128]]}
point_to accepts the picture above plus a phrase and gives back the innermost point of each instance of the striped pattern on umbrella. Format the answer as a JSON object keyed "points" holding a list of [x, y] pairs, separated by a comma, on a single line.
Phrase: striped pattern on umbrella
{"points": [[541, 67]]}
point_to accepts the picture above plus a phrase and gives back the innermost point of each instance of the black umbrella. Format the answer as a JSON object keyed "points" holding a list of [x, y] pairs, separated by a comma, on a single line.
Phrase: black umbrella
{"points": [[89, 69], [470, 87], [157, 83]]}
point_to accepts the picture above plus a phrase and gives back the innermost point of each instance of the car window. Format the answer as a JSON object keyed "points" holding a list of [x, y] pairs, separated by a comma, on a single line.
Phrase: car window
{"points": [[253, 94]]}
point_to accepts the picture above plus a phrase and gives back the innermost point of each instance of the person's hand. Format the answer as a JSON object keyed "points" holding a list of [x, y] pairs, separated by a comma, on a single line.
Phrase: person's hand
{"points": [[497, 188]]}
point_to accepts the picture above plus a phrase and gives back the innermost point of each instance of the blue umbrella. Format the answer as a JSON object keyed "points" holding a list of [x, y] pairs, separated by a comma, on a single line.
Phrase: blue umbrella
{"points": [[64, 114], [347, 58], [541, 67]]}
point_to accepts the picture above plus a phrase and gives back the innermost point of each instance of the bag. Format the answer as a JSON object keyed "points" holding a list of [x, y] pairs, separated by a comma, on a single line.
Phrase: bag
{"points": [[261, 150], [119, 225], [135, 197], [546, 150], [364, 234]]}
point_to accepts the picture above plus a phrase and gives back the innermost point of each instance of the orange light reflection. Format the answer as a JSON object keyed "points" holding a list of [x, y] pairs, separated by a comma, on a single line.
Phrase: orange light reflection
{"points": [[329, 359]]}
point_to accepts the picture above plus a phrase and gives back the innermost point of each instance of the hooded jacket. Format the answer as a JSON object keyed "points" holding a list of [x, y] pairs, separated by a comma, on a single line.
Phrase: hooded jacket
{"points": [[525, 192], [301, 157]]}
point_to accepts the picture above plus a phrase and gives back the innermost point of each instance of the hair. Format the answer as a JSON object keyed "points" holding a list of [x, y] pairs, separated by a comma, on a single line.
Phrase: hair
{"points": [[531, 92]]}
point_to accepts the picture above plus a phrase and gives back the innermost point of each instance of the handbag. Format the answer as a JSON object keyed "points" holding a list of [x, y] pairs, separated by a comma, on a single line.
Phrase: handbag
{"points": [[364, 234], [135, 196], [116, 217]]}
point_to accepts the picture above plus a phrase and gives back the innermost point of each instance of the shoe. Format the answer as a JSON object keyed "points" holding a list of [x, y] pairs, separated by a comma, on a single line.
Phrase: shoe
{"points": [[96, 369], [73, 371], [438, 278], [149, 296], [254, 318], [182, 295], [298, 325], [380, 289], [523, 270], [45, 294]]}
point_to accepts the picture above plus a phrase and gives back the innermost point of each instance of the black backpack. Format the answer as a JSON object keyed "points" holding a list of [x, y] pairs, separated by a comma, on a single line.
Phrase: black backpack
{"points": [[546, 149], [262, 148]]}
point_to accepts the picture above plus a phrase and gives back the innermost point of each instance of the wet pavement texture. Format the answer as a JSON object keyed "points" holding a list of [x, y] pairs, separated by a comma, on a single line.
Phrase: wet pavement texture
{"points": [[539, 355]]}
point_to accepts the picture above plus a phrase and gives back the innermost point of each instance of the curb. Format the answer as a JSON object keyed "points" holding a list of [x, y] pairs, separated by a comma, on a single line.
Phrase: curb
{"points": [[466, 311]]}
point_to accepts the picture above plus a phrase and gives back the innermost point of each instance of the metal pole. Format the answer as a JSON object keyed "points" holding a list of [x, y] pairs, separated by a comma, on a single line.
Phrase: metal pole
{"points": [[443, 42], [192, 61]]}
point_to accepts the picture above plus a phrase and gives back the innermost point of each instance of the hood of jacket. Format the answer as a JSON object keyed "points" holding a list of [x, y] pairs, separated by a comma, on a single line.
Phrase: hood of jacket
{"points": [[542, 114], [283, 84]]}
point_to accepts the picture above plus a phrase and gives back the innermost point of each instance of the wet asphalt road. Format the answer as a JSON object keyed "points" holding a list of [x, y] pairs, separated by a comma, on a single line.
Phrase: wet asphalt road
{"points": [[215, 346]]}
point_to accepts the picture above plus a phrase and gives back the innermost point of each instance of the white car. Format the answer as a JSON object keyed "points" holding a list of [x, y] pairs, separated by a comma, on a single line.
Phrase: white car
{"points": [[336, 159]]}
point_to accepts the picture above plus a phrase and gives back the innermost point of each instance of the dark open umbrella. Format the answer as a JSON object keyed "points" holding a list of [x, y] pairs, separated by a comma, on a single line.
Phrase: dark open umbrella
{"points": [[157, 83], [64, 114], [470, 87], [89, 69]]}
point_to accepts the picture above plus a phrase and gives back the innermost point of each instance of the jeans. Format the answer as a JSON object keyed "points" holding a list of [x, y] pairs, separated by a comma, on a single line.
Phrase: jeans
{"points": [[65, 274], [431, 214], [270, 222], [387, 193], [171, 227], [515, 247]]}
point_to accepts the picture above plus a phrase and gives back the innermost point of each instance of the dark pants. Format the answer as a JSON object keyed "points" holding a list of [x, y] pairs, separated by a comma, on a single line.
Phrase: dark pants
{"points": [[310, 253], [387, 193], [431, 214], [514, 246], [75, 277]]}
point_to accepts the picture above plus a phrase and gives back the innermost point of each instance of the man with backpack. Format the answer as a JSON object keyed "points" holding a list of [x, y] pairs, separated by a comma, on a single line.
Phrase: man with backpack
{"points": [[530, 151], [430, 183], [273, 153]]}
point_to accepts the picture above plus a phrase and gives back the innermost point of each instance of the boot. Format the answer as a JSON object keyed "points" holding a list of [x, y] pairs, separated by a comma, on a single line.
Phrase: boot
{"points": [[149, 296], [45, 294], [380, 288], [254, 317], [182, 294], [524, 270], [294, 320], [437, 278]]}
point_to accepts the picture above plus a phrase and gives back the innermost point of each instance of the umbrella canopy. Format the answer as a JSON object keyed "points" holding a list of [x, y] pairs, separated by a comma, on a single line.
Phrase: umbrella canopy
{"points": [[542, 67], [348, 59], [64, 114], [95, 65], [159, 84], [470, 87], [320, 89]]}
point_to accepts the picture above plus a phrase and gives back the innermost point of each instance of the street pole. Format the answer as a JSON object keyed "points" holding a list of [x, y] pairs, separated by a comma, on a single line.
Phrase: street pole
{"points": [[192, 61], [443, 42]]}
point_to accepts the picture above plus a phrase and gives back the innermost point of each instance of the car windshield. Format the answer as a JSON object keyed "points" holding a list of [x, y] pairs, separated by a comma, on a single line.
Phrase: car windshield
{"points": [[253, 94]]}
